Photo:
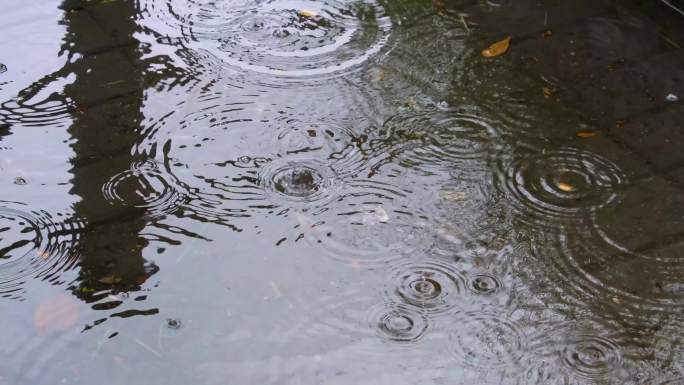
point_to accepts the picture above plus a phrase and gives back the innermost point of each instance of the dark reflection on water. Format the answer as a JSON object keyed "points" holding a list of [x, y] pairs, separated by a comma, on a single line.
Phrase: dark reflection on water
{"points": [[317, 192]]}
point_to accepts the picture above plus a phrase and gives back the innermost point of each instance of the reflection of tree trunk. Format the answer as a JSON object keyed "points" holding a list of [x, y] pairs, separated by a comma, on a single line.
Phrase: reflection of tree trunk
{"points": [[106, 97]]}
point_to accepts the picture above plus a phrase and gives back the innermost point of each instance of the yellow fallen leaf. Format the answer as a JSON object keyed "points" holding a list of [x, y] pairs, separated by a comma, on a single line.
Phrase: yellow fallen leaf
{"points": [[565, 187], [497, 49], [307, 13], [586, 134]]}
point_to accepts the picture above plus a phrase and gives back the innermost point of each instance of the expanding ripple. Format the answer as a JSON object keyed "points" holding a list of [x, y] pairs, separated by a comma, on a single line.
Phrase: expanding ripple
{"points": [[590, 357], [438, 139], [487, 340], [34, 244], [429, 286], [584, 267], [484, 284], [398, 323], [366, 234], [560, 186], [355, 313], [147, 186], [299, 181], [287, 39], [323, 141], [53, 113]]}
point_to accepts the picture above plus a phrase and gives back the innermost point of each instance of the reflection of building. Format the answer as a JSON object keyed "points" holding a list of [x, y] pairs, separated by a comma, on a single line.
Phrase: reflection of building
{"points": [[102, 94], [106, 97]]}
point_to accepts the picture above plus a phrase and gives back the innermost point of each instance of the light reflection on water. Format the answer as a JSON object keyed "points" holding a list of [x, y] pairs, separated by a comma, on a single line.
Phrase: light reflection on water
{"points": [[297, 192]]}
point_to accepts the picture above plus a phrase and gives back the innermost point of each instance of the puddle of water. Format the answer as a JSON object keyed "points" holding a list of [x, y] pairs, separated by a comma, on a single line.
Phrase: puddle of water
{"points": [[321, 192]]}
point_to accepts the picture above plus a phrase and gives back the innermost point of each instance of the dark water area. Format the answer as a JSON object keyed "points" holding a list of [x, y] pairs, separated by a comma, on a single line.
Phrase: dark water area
{"points": [[341, 191]]}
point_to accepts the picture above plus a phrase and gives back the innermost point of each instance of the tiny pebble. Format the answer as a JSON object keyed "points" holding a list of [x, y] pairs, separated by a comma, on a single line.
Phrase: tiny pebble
{"points": [[672, 98]]}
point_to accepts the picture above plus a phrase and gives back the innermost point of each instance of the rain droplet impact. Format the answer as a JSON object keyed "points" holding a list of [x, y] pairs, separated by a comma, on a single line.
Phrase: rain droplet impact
{"points": [[399, 324], [285, 39], [488, 341], [429, 286], [147, 186], [561, 186], [173, 323], [484, 284], [300, 181], [34, 244], [591, 357], [3, 68]]}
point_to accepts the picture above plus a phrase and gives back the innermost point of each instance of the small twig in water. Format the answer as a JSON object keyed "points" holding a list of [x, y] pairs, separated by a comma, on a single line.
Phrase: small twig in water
{"points": [[465, 24]]}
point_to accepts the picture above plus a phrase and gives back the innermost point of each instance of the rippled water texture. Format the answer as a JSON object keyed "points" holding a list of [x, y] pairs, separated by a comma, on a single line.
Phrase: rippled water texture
{"points": [[337, 192]]}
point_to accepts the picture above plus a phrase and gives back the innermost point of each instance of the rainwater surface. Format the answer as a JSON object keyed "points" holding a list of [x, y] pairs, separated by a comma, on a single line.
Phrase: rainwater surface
{"points": [[330, 192]]}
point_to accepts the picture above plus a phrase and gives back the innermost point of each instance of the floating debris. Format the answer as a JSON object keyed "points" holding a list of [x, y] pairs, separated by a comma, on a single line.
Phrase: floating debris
{"points": [[497, 49], [586, 134], [672, 98], [307, 13]]}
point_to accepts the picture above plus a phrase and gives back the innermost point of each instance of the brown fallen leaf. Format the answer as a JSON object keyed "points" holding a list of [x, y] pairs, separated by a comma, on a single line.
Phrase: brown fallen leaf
{"points": [[586, 134], [497, 49], [547, 34], [549, 92], [566, 187], [56, 313], [619, 123]]}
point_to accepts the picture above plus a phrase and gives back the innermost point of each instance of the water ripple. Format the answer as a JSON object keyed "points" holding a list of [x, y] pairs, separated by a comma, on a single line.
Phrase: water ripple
{"points": [[324, 141], [439, 139], [486, 340], [148, 186], [398, 323], [53, 113], [299, 181], [591, 357], [285, 39], [484, 284], [431, 286], [35, 244], [584, 267], [561, 186]]}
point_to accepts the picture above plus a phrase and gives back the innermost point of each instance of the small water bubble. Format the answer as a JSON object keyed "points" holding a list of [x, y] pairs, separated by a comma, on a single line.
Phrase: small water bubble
{"points": [[484, 284], [173, 323], [305, 181]]}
